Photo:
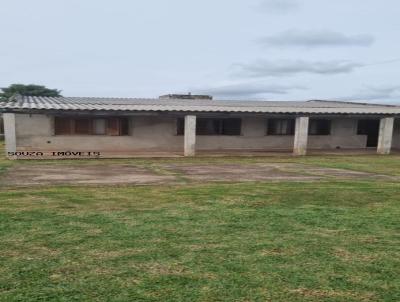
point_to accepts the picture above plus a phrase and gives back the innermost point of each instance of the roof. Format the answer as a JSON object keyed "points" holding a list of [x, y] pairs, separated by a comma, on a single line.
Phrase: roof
{"points": [[43, 104]]}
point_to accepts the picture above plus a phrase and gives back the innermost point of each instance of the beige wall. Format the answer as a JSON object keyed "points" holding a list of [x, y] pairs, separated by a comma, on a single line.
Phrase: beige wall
{"points": [[343, 135], [253, 137], [154, 133], [35, 132]]}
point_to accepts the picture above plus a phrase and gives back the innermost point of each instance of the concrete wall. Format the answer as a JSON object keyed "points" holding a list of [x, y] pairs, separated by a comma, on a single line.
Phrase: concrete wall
{"points": [[35, 132], [154, 133], [343, 135], [253, 137]]}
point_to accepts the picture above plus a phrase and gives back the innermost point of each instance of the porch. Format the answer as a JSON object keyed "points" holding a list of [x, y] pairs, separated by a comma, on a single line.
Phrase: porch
{"points": [[382, 138], [204, 135]]}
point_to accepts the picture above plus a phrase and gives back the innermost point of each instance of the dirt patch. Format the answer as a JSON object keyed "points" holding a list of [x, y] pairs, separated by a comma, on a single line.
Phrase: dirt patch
{"points": [[238, 172], [337, 173], [111, 174], [84, 174], [265, 172]]}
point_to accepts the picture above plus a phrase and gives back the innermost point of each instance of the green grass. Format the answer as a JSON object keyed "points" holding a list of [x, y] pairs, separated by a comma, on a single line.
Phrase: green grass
{"points": [[337, 241], [314, 241]]}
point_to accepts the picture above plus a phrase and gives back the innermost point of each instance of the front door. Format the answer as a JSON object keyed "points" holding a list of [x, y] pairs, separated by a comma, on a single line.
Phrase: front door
{"points": [[370, 128]]}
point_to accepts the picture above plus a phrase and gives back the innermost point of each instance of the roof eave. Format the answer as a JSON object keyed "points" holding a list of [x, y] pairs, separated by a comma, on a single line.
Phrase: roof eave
{"points": [[188, 111]]}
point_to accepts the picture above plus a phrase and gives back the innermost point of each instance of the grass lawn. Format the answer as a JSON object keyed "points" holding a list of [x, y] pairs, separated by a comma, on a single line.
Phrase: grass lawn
{"points": [[230, 242], [314, 241]]}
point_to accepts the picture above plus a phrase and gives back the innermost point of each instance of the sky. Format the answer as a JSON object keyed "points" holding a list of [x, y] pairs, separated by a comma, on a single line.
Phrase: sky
{"points": [[231, 49]]}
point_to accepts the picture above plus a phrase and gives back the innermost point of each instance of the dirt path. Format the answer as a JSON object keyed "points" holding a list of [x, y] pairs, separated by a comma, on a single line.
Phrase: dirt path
{"points": [[31, 175]]}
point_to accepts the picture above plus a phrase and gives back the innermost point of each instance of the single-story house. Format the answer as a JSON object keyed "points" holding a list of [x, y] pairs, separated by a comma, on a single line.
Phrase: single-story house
{"points": [[42, 127]]}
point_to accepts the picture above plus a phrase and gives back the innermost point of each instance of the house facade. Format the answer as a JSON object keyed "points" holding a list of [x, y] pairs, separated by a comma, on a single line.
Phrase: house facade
{"points": [[63, 127]]}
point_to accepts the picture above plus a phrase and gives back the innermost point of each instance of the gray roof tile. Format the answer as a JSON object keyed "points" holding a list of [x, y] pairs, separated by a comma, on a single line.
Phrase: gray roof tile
{"points": [[30, 104]]}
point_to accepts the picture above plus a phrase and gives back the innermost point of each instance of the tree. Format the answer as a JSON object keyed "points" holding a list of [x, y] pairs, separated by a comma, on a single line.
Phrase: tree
{"points": [[29, 90]]}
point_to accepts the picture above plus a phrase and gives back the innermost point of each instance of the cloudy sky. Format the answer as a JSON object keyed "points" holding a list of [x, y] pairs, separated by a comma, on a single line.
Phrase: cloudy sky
{"points": [[232, 49]]}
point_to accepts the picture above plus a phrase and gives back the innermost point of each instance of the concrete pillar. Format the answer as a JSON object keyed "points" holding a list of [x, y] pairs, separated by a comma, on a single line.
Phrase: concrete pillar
{"points": [[301, 135], [9, 132], [385, 135], [190, 135]]}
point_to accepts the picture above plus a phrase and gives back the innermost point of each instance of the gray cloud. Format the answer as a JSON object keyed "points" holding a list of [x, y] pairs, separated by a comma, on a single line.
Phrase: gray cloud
{"points": [[308, 39], [265, 68], [278, 6], [376, 93], [249, 90]]}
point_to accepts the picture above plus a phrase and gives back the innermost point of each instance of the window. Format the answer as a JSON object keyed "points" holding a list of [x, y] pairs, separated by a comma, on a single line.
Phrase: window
{"points": [[83, 126], [280, 126], [213, 126], [207, 126], [62, 125], [180, 126], [367, 127], [117, 126], [99, 126], [124, 128], [113, 126], [319, 127], [231, 126]]}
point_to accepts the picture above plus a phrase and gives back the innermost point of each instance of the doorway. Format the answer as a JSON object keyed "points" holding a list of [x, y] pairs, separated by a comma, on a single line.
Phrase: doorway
{"points": [[370, 128]]}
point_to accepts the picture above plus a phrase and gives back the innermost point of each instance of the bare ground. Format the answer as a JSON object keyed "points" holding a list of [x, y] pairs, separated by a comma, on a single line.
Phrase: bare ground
{"points": [[77, 174], [107, 174]]}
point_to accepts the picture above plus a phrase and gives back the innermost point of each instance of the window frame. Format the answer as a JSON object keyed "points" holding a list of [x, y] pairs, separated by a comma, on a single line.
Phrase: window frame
{"points": [[94, 126], [68, 124], [123, 129], [219, 125], [80, 128], [362, 125], [291, 127], [329, 123]]}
